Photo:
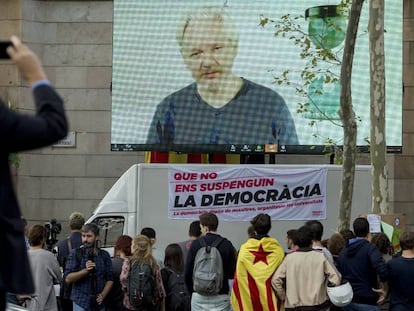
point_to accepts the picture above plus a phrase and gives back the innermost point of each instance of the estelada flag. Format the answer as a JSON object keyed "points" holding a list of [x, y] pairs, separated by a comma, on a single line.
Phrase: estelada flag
{"points": [[256, 262]]}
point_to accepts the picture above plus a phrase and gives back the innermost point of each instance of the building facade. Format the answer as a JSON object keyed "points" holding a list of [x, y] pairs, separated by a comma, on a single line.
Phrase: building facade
{"points": [[74, 42]]}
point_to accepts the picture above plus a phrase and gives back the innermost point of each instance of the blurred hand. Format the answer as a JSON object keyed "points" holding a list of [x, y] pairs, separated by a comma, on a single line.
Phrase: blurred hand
{"points": [[99, 299], [23, 297], [90, 265], [382, 294], [26, 61]]}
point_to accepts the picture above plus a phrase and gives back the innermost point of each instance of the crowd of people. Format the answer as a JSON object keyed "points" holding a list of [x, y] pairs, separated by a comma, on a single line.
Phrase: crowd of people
{"points": [[351, 270]]}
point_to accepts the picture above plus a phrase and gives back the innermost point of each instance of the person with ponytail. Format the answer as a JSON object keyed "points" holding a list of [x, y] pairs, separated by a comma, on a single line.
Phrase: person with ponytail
{"points": [[139, 262]]}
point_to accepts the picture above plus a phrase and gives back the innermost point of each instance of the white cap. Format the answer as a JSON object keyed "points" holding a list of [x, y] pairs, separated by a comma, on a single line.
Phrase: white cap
{"points": [[340, 295]]}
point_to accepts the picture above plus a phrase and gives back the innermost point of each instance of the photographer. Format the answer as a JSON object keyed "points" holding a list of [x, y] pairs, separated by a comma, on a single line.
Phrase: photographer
{"points": [[20, 132], [89, 268]]}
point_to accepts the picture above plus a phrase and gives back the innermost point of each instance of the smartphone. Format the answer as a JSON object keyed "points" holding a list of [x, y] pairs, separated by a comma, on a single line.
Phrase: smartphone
{"points": [[3, 46]]}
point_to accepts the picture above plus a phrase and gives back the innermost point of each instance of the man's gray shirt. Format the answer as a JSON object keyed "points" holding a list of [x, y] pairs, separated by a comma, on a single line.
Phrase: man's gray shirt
{"points": [[256, 115]]}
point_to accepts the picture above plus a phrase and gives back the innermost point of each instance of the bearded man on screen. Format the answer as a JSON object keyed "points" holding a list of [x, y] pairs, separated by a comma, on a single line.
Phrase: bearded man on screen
{"points": [[219, 107]]}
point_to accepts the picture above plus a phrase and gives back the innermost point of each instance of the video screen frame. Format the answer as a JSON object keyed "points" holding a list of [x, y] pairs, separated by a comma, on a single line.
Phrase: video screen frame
{"points": [[148, 66]]}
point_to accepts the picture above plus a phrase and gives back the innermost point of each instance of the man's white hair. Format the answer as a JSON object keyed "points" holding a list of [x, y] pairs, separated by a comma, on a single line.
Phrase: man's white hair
{"points": [[209, 13]]}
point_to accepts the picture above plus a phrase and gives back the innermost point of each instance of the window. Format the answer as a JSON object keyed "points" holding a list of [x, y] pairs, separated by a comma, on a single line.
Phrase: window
{"points": [[110, 228]]}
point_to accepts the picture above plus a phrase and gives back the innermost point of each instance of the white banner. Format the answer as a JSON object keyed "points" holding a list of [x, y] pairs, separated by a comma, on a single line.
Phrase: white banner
{"points": [[241, 193]]}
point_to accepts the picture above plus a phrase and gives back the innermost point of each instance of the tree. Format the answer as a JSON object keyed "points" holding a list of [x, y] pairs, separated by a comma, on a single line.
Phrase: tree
{"points": [[347, 115], [379, 169], [321, 49], [287, 26], [320, 62]]}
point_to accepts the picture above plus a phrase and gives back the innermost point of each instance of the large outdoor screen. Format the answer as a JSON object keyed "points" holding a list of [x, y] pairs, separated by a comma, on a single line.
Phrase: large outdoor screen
{"points": [[213, 77]]}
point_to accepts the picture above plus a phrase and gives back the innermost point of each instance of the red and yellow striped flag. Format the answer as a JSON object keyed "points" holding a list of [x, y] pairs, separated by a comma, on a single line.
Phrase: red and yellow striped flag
{"points": [[256, 263], [174, 157]]}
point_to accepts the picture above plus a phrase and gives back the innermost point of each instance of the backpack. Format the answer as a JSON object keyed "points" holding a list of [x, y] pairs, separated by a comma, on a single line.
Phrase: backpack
{"points": [[208, 269], [65, 288], [178, 297], [140, 286]]}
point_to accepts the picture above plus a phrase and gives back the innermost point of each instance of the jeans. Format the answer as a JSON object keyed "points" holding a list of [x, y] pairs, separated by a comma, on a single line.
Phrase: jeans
{"points": [[210, 303], [11, 298], [360, 307], [79, 308]]}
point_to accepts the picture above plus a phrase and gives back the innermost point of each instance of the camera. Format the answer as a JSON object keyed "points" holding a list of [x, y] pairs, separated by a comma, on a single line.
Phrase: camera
{"points": [[53, 228], [3, 49]]}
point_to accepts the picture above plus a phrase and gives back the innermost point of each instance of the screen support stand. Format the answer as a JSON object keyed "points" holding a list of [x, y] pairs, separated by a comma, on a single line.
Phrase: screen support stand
{"points": [[272, 158], [332, 158], [252, 158]]}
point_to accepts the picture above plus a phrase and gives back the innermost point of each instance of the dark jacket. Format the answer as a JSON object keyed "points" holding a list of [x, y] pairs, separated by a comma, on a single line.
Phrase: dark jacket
{"points": [[62, 246], [20, 132], [115, 298], [360, 262], [228, 257]]}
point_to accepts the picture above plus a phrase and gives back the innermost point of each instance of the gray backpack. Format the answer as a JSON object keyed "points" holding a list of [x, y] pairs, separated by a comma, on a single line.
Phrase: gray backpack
{"points": [[208, 269]]}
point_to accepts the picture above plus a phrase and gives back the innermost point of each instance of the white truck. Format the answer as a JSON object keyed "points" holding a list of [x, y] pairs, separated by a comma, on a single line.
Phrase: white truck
{"points": [[140, 199]]}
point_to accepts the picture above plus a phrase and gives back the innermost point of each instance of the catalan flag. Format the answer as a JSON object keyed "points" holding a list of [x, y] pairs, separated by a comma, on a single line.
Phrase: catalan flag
{"points": [[256, 263], [174, 157]]}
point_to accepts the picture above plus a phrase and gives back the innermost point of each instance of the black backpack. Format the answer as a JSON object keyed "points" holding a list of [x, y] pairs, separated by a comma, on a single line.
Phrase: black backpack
{"points": [[178, 297], [65, 288], [141, 286]]}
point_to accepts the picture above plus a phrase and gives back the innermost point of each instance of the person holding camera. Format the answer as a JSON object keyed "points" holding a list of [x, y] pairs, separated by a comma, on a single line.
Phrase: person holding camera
{"points": [[19, 132], [89, 269]]}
